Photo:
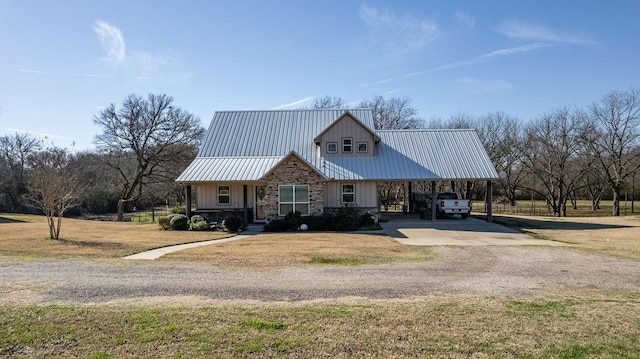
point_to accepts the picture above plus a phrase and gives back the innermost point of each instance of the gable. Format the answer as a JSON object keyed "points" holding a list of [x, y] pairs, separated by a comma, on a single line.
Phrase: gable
{"points": [[347, 125], [347, 136]]}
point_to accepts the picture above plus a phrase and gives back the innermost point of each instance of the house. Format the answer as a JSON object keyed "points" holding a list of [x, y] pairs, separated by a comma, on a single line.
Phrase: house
{"points": [[269, 163]]}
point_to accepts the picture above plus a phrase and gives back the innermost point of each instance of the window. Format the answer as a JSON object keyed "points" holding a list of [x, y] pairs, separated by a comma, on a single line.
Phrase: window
{"points": [[347, 145], [348, 193], [293, 198], [362, 147], [332, 147], [224, 195]]}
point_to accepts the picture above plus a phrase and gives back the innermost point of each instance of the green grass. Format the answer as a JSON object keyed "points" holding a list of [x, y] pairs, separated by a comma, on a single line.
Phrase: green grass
{"points": [[601, 325], [319, 260]]}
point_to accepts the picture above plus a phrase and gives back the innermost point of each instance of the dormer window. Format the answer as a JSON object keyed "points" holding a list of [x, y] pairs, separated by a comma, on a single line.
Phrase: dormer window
{"points": [[332, 147], [362, 147], [347, 145]]}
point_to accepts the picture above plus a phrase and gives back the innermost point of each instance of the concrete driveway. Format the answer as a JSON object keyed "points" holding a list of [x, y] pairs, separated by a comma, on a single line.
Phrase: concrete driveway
{"points": [[454, 231]]}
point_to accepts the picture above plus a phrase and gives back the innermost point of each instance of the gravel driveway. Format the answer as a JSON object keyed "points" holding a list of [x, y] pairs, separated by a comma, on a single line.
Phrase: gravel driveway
{"points": [[482, 270]]}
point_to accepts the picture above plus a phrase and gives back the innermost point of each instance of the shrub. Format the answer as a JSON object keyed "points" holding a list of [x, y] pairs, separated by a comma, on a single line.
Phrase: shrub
{"points": [[198, 218], [179, 222], [179, 210], [366, 220], [293, 220], [276, 225], [232, 224], [164, 223], [319, 223], [199, 226], [347, 219]]}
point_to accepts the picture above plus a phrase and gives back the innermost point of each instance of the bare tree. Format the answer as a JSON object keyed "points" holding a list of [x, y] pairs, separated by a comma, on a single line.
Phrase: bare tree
{"points": [[328, 102], [14, 151], [150, 133], [551, 151], [53, 186], [614, 139], [502, 136], [393, 114]]}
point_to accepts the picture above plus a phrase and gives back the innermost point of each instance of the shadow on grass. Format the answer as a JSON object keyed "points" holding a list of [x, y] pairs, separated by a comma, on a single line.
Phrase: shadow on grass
{"points": [[9, 220], [521, 224], [92, 244]]}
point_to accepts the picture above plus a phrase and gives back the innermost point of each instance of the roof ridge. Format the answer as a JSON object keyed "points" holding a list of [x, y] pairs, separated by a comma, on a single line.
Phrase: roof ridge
{"points": [[300, 110]]}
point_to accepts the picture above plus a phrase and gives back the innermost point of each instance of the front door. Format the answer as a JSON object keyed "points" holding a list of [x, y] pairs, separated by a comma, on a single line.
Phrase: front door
{"points": [[260, 202]]}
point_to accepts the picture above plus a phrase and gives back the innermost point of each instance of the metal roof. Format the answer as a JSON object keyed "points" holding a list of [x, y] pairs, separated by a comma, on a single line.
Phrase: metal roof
{"points": [[448, 154], [246, 145], [271, 133], [226, 169]]}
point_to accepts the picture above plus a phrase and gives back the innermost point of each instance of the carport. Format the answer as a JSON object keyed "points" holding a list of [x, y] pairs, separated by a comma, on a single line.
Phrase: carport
{"points": [[434, 156]]}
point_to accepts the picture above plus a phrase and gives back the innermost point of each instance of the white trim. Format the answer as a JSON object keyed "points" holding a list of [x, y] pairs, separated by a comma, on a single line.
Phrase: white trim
{"points": [[228, 195], [293, 203], [350, 139], [342, 192]]}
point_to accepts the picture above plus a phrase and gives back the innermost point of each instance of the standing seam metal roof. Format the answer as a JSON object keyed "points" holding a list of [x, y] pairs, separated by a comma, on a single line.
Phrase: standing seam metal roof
{"points": [[245, 145]]}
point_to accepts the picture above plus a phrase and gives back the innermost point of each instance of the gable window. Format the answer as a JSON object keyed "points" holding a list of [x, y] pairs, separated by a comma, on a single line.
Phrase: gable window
{"points": [[347, 145], [293, 198], [362, 147], [332, 147], [348, 193], [224, 195]]}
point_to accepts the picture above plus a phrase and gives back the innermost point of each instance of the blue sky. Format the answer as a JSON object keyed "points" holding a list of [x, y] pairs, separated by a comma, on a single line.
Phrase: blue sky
{"points": [[62, 61]]}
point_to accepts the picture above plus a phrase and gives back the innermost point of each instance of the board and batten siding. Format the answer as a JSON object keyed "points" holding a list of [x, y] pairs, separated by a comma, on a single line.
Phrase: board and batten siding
{"points": [[207, 196], [366, 194], [348, 128]]}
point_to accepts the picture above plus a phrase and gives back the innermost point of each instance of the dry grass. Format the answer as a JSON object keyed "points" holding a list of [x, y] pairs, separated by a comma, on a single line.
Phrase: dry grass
{"points": [[617, 236], [275, 251], [26, 235], [570, 325]]}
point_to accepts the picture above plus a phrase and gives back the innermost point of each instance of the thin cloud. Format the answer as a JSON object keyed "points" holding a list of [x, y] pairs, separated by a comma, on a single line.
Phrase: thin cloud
{"points": [[30, 71], [515, 50], [397, 32], [525, 30], [42, 72], [41, 134], [481, 58], [112, 42], [293, 104], [381, 82]]}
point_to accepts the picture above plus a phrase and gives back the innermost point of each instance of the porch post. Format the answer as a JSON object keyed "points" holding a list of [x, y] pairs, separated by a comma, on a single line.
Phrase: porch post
{"points": [[245, 220], [453, 186], [433, 200], [188, 204], [489, 201], [410, 200], [468, 196]]}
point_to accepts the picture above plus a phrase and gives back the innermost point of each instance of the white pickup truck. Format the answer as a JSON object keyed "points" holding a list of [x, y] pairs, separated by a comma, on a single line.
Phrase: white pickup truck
{"points": [[450, 203]]}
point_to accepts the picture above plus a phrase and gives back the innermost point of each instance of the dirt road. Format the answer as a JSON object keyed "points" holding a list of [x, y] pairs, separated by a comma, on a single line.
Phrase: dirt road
{"points": [[484, 270]]}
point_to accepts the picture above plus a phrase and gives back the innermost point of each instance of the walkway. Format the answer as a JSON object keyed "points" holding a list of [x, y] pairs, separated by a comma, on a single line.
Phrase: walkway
{"points": [[159, 252]]}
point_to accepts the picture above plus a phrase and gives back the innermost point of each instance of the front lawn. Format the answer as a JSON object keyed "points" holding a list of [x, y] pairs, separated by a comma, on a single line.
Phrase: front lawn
{"points": [[26, 235]]}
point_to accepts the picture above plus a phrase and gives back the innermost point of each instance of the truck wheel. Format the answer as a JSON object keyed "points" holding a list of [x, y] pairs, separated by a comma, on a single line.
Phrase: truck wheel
{"points": [[464, 215]]}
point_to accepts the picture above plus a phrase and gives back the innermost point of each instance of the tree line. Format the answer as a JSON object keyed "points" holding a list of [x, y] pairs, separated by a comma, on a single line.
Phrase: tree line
{"points": [[561, 155]]}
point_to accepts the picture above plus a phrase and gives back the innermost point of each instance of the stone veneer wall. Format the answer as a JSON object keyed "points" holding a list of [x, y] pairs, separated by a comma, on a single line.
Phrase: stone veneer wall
{"points": [[293, 172]]}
